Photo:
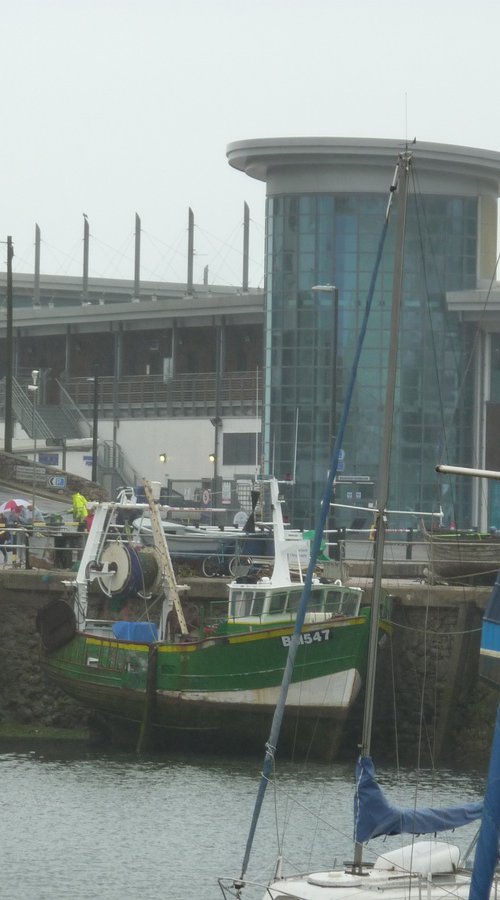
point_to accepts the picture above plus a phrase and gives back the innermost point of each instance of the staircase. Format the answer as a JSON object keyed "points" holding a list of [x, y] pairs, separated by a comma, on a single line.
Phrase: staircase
{"points": [[65, 421], [60, 422], [114, 470]]}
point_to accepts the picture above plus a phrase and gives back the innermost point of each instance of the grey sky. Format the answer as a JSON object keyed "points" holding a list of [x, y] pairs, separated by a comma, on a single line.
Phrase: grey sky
{"points": [[111, 107]]}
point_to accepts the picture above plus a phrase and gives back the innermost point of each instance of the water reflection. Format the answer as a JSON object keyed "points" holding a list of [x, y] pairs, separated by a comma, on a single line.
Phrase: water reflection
{"points": [[77, 822]]}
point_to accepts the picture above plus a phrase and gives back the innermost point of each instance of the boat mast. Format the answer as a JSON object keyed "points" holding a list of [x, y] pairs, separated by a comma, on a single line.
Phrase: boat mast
{"points": [[400, 183], [315, 548], [164, 554]]}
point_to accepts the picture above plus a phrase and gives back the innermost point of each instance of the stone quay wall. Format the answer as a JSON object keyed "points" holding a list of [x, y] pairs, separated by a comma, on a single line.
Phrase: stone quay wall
{"points": [[430, 704]]}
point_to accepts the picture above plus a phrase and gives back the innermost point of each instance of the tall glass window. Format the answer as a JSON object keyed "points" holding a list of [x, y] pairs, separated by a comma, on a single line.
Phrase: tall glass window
{"points": [[333, 239]]}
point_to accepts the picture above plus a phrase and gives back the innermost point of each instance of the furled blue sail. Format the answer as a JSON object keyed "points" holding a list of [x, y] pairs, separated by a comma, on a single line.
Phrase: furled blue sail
{"points": [[489, 659], [375, 816]]}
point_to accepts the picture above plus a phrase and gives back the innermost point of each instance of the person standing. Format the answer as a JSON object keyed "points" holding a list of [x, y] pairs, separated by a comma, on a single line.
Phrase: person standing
{"points": [[4, 538], [26, 522], [27, 518], [11, 516], [80, 510]]}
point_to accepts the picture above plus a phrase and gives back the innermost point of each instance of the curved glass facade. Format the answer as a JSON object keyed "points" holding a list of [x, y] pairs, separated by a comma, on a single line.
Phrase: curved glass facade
{"points": [[332, 239]]}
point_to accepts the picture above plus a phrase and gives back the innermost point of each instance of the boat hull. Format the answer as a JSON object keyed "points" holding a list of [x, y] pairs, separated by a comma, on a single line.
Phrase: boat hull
{"points": [[192, 542], [489, 657], [224, 687], [345, 887], [460, 556]]}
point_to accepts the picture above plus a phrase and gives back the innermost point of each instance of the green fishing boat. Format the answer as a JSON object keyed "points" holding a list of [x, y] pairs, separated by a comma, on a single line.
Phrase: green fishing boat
{"points": [[159, 680]]}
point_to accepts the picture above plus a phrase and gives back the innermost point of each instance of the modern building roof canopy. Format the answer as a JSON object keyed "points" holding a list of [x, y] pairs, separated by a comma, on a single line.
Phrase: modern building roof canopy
{"points": [[112, 301], [259, 158]]}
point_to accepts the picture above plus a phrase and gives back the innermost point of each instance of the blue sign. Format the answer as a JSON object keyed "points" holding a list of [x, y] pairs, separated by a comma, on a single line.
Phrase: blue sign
{"points": [[88, 460], [48, 459], [57, 481]]}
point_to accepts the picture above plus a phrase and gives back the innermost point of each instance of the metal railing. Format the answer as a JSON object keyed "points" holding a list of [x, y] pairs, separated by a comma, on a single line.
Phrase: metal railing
{"points": [[112, 458], [183, 395], [27, 413], [51, 546], [73, 412], [402, 543]]}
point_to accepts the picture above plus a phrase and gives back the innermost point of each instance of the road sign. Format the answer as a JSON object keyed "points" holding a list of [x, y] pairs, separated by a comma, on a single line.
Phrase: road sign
{"points": [[57, 481], [48, 459]]}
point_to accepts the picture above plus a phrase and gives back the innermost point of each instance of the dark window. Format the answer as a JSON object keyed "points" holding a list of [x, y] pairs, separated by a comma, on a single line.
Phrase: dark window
{"points": [[240, 449]]}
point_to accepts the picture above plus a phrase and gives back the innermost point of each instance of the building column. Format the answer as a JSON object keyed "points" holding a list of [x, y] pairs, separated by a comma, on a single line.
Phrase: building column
{"points": [[67, 352]]}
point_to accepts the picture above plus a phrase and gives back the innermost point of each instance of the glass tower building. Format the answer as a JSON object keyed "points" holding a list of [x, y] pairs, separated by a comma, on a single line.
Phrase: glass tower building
{"points": [[326, 204]]}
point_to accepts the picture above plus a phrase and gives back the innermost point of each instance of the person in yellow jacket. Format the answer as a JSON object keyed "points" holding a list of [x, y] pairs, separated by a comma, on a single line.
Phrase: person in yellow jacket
{"points": [[80, 510]]}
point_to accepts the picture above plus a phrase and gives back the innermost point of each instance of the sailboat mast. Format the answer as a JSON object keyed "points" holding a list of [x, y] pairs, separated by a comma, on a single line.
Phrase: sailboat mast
{"points": [[325, 506], [401, 183]]}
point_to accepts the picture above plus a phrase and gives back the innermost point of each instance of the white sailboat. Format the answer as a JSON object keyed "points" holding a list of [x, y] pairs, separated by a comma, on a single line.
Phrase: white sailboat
{"points": [[430, 868]]}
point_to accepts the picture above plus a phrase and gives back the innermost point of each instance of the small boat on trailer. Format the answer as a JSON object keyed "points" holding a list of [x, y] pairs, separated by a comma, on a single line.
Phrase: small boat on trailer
{"points": [[463, 556], [168, 677], [220, 549]]}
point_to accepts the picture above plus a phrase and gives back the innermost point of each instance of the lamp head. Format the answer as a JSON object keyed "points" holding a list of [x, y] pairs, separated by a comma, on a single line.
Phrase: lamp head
{"points": [[329, 288]]}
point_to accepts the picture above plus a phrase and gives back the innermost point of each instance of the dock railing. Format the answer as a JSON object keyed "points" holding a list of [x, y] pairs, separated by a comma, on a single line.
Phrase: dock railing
{"points": [[404, 544], [50, 546]]}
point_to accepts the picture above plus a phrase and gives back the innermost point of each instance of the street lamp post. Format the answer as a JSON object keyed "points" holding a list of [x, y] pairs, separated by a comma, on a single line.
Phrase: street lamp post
{"points": [[334, 291], [164, 459], [95, 427], [33, 387], [213, 459], [8, 352]]}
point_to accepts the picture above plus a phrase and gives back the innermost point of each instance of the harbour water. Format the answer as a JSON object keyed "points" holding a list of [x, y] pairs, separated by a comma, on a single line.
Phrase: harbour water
{"points": [[76, 824]]}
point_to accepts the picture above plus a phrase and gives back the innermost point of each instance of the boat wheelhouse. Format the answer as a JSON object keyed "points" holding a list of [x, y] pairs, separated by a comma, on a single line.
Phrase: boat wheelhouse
{"points": [[263, 604]]}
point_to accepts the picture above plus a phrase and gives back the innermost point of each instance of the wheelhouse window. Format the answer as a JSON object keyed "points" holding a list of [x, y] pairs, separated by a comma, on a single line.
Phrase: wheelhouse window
{"points": [[278, 603], [333, 602], [350, 605], [258, 603], [294, 600], [316, 600], [241, 604]]}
